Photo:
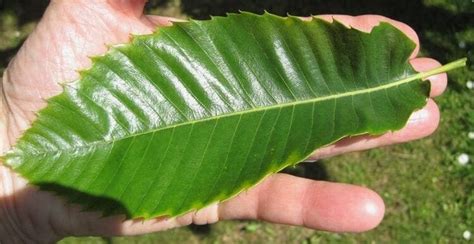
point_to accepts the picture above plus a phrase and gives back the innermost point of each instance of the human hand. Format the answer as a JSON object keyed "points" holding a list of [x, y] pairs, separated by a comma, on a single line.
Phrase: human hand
{"points": [[68, 34]]}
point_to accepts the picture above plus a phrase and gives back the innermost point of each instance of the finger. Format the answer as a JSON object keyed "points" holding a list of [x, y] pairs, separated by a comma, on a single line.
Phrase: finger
{"points": [[318, 205], [420, 124], [367, 22], [281, 198], [438, 82]]}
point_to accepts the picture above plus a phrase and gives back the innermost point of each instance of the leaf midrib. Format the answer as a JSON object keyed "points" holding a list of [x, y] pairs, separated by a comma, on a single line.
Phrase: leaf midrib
{"points": [[414, 77]]}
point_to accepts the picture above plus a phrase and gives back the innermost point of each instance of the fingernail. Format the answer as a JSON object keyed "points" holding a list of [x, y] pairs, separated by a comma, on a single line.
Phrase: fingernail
{"points": [[419, 115]]}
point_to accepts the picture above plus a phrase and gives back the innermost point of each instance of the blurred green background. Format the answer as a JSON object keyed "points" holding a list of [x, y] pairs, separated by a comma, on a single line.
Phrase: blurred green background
{"points": [[428, 193]]}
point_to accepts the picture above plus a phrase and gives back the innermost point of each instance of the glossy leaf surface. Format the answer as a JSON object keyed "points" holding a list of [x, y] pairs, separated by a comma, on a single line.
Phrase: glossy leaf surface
{"points": [[199, 111]]}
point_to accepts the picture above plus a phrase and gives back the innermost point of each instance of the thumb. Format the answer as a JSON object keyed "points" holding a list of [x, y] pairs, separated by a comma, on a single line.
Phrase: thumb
{"points": [[128, 7]]}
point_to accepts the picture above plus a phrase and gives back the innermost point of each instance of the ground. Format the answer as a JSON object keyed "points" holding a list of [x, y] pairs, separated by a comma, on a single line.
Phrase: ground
{"points": [[429, 195]]}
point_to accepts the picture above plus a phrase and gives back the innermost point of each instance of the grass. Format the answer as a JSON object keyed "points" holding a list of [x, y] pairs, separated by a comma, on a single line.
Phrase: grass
{"points": [[428, 194]]}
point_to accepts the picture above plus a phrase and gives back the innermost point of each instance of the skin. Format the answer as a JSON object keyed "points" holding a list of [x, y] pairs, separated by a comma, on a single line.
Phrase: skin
{"points": [[72, 31]]}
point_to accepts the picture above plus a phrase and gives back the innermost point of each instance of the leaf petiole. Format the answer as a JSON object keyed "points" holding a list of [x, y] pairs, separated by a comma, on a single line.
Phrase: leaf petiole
{"points": [[447, 67]]}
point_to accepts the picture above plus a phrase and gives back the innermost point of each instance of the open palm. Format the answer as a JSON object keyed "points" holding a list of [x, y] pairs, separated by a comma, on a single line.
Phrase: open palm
{"points": [[72, 31]]}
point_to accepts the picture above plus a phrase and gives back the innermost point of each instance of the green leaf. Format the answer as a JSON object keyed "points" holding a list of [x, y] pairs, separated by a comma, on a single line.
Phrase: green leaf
{"points": [[199, 111]]}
